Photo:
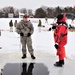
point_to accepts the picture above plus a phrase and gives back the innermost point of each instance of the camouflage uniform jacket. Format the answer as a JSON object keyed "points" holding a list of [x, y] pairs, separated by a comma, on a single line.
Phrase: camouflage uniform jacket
{"points": [[24, 27]]}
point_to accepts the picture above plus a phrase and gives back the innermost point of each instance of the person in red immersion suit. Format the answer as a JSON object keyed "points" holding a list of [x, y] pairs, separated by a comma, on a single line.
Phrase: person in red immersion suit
{"points": [[60, 38]]}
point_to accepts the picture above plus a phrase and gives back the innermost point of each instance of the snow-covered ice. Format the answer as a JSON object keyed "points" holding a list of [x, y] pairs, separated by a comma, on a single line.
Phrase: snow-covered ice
{"points": [[43, 44]]}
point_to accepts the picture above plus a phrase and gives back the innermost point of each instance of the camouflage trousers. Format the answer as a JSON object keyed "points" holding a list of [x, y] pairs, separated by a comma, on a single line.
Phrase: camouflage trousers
{"points": [[11, 29], [26, 44]]}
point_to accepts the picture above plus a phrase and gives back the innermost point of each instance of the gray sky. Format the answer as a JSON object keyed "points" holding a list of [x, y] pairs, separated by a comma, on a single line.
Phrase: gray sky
{"points": [[34, 4]]}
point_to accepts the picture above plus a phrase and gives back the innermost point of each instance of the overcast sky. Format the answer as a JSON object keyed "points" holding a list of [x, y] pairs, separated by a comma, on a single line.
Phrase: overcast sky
{"points": [[34, 4]]}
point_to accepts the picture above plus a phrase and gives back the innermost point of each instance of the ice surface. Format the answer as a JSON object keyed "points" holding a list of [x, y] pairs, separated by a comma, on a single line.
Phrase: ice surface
{"points": [[43, 44]]}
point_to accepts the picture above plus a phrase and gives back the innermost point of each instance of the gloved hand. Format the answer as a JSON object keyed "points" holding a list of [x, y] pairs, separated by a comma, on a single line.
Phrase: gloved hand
{"points": [[53, 27], [56, 46], [21, 34], [29, 34]]}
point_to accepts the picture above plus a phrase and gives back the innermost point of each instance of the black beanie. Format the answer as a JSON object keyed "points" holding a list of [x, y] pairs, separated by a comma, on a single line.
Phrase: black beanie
{"points": [[60, 16]]}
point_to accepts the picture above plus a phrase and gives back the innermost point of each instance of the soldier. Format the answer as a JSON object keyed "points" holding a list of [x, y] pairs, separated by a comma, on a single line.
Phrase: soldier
{"points": [[25, 29], [46, 20], [39, 25], [11, 26], [15, 23]]}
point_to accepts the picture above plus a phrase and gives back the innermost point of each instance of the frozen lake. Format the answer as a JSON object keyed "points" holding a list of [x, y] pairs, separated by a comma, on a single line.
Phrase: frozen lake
{"points": [[42, 41], [43, 44]]}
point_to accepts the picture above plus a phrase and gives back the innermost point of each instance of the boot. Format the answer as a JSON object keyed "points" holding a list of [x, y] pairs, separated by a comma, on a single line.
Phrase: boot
{"points": [[33, 57], [24, 56], [58, 64], [62, 61]]}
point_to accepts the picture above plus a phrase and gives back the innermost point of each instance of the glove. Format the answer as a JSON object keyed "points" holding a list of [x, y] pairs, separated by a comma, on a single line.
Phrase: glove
{"points": [[53, 27], [56, 46], [21, 34], [29, 34]]}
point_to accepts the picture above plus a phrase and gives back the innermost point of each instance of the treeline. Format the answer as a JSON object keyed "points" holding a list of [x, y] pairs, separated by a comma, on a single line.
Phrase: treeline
{"points": [[6, 10], [51, 12], [41, 12]]}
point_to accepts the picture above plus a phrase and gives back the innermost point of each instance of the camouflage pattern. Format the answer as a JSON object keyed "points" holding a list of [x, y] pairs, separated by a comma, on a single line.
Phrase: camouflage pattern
{"points": [[25, 28]]}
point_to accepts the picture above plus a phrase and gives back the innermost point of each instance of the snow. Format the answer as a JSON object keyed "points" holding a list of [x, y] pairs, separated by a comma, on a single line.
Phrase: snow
{"points": [[43, 44]]}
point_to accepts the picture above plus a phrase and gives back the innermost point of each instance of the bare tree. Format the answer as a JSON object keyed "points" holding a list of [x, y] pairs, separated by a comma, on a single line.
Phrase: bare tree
{"points": [[30, 12], [40, 13], [16, 13], [23, 10]]}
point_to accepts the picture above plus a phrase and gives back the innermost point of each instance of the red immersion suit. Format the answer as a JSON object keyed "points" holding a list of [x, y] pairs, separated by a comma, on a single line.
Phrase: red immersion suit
{"points": [[60, 37]]}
